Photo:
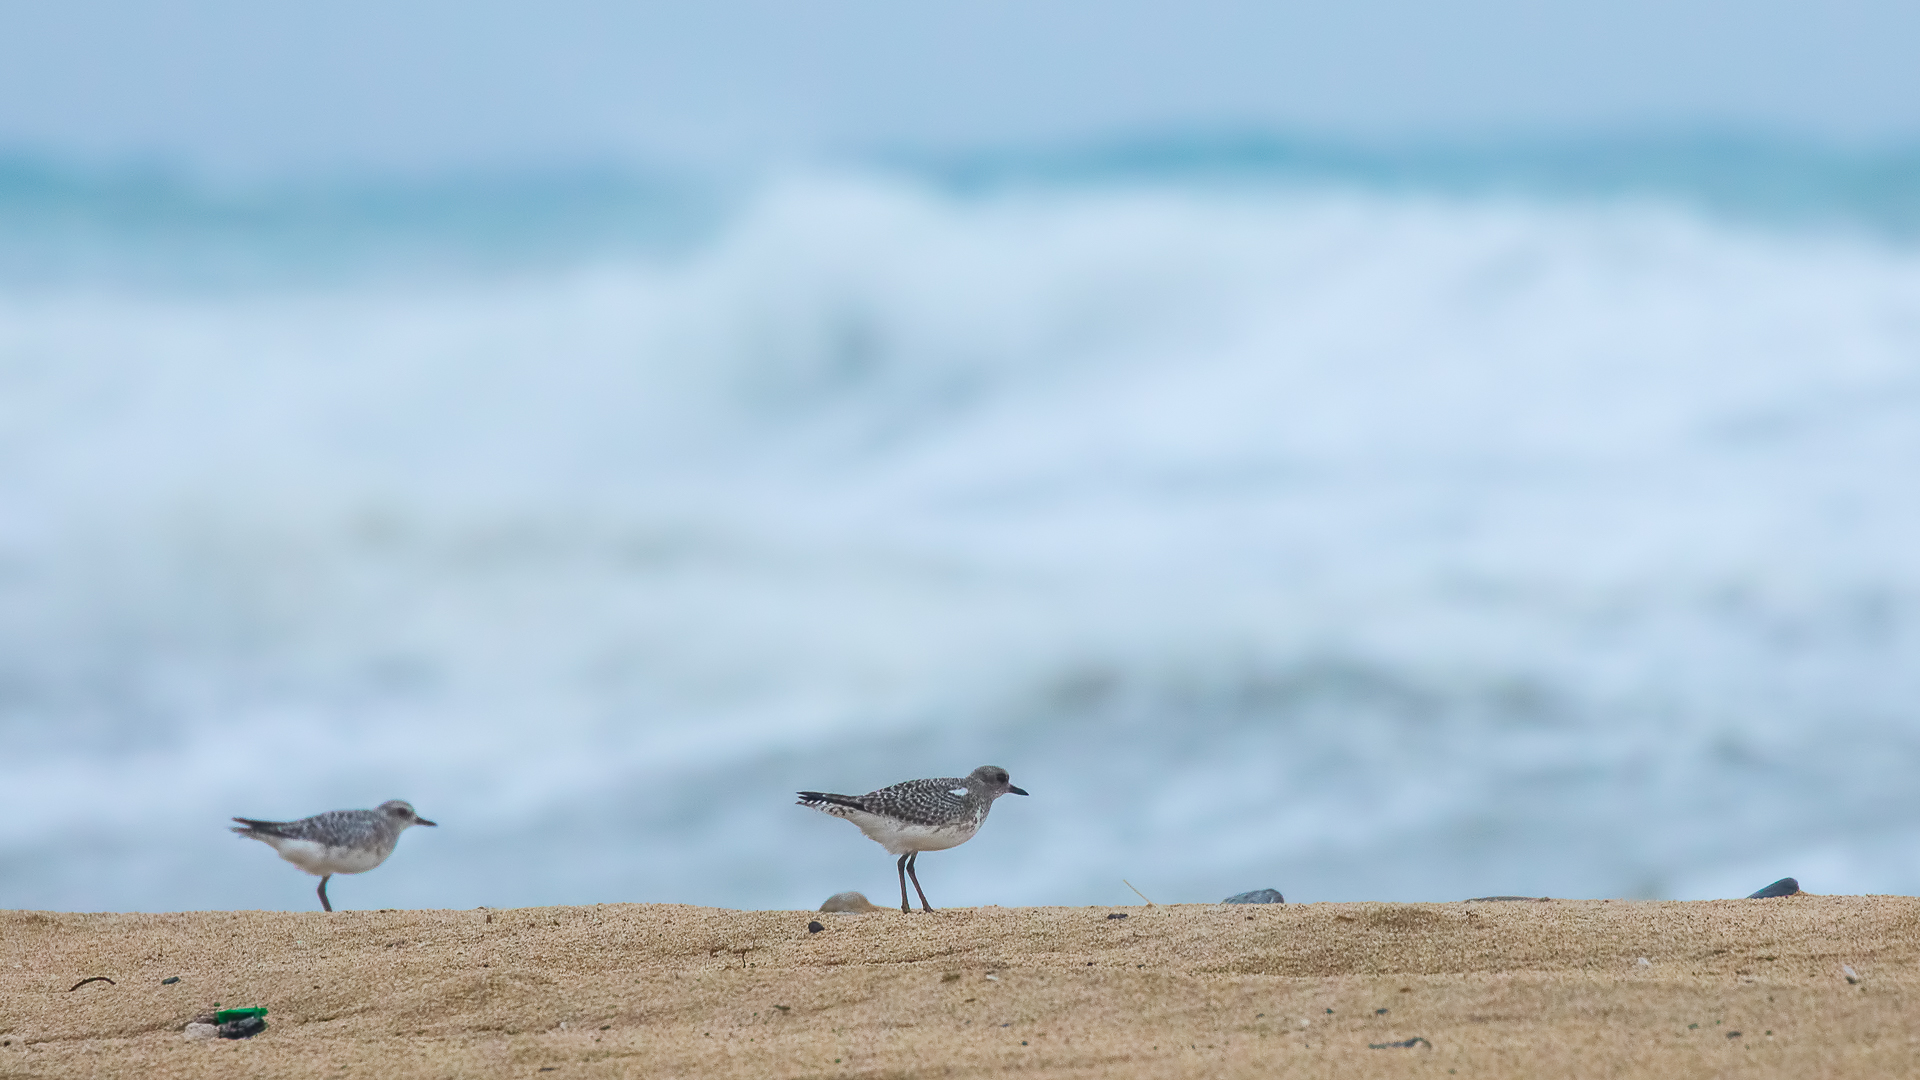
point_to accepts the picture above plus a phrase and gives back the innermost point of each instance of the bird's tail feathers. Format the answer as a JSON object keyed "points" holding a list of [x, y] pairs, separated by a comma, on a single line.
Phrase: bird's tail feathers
{"points": [[820, 800], [259, 828]]}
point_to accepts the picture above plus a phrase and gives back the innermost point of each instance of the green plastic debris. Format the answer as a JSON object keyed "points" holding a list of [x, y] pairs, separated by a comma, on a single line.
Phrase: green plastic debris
{"points": [[227, 1015]]}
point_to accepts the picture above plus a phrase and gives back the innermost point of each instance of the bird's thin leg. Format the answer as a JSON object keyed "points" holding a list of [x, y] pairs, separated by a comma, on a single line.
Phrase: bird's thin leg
{"points": [[323, 891], [924, 906], [903, 885]]}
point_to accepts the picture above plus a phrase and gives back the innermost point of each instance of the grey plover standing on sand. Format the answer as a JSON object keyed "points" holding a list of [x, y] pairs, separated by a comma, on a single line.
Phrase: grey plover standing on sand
{"points": [[336, 842], [919, 815]]}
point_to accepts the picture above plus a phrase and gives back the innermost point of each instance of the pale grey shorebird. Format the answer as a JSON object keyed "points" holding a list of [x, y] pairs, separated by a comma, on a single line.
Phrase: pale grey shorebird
{"points": [[919, 815], [336, 842]]}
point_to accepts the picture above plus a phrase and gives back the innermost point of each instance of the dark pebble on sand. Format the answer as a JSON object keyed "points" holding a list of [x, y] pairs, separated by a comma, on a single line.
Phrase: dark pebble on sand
{"points": [[170, 981], [814, 928], [1407, 1045], [1786, 886], [245, 1027], [1257, 896], [1117, 915]]}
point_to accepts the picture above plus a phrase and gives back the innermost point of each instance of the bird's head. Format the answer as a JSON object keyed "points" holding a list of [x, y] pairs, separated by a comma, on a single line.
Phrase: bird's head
{"points": [[994, 781], [402, 813]]}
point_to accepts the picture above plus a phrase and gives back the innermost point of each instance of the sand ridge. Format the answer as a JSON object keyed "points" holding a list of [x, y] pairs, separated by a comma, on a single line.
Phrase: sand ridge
{"points": [[1483, 989]]}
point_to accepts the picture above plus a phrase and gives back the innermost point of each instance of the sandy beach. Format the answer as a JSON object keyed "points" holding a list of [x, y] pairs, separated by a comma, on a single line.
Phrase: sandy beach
{"points": [[1506, 989]]}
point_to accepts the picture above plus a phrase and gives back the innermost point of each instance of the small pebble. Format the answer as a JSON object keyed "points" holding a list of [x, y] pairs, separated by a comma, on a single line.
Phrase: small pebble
{"points": [[1852, 975], [170, 982], [1644, 962], [1117, 915], [1257, 896], [244, 1028], [197, 1031], [845, 902], [1786, 886], [814, 928]]}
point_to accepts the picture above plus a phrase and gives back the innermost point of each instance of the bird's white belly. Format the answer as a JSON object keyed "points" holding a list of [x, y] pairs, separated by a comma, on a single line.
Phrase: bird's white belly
{"points": [[900, 838], [317, 858]]}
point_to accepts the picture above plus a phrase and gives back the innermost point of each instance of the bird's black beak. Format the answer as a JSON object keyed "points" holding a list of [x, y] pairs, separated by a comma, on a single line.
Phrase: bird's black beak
{"points": [[1011, 790], [424, 821]]}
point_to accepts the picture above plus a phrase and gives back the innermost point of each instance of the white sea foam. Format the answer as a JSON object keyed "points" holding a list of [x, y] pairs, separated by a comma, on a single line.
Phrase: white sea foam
{"points": [[1362, 545]]}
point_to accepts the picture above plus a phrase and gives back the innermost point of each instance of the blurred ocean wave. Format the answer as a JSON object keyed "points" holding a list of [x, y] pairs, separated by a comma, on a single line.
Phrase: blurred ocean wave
{"points": [[150, 225], [1749, 179], [1358, 535]]}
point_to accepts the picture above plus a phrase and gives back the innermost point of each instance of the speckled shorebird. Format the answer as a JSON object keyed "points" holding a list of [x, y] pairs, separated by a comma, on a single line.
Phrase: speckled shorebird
{"points": [[336, 842], [919, 815]]}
